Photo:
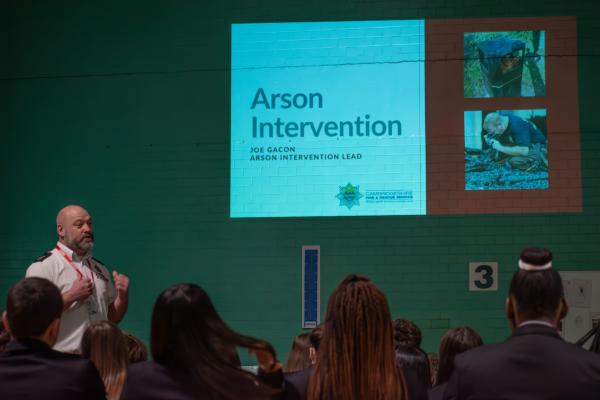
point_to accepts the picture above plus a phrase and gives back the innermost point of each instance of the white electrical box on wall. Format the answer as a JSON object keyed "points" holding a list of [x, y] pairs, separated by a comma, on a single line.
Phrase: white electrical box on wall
{"points": [[582, 290]]}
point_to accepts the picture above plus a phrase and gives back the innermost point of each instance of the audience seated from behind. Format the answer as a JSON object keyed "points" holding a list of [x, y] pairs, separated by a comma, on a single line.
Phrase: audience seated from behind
{"points": [[535, 362], [190, 346], [355, 359], [356, 354], [29, 368], [299, 357], [104, 344], [454, 342], [136, 350]]}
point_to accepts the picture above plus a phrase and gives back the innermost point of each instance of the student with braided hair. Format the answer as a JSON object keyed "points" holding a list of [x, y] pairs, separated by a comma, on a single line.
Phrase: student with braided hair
{"points": [[356, 359]]}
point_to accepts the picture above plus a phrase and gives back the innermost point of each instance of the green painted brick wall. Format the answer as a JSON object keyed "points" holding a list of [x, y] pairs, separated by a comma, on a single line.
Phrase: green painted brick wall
{"points": [[123, 107]]}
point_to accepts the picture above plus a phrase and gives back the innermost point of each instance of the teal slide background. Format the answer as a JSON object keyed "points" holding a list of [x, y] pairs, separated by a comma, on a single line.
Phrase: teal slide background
{"points": [[360, 68]]}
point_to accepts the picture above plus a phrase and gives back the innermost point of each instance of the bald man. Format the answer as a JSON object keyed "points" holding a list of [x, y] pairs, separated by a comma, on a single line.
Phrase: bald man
{"points": [[85, 283]]}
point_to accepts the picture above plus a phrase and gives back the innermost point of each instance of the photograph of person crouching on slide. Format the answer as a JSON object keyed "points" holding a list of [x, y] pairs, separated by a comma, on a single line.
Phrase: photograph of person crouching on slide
{"points": [[506, 150]]}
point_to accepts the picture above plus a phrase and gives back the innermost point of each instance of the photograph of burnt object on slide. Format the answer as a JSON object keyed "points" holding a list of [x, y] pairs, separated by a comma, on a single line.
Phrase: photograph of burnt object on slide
{"points": [[504, 64]]}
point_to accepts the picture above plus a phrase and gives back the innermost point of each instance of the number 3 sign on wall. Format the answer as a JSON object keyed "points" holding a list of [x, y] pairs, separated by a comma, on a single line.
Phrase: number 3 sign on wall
{"points": [[483, 276]]}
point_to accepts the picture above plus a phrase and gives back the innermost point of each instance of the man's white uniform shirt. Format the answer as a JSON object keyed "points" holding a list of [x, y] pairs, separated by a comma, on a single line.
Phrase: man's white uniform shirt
{"points": [[74, 320]]}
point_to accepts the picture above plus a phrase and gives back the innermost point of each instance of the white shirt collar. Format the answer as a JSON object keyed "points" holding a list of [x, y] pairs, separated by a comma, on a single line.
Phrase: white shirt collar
{"points": [[72, 255], [537, 322]]}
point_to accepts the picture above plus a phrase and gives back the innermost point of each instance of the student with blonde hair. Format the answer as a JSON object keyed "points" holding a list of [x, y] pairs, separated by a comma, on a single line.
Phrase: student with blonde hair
{"points": [[299, 357], [104, 344]]}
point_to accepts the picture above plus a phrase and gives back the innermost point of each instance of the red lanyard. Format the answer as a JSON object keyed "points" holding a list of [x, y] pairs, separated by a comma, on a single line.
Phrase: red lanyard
{"points": [[79, 273]]}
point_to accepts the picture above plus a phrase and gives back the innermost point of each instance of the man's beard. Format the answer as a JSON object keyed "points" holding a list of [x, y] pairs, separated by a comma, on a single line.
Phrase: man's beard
{"points": [[83, 245]]}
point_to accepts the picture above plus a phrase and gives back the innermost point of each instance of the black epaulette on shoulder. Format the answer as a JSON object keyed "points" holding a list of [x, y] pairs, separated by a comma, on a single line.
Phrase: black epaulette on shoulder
{"points": [[43, 256], [98, 261]]}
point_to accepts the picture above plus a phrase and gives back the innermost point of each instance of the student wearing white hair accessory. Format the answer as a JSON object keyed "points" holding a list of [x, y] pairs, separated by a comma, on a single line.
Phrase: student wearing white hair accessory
{"points": [[534, 362]]}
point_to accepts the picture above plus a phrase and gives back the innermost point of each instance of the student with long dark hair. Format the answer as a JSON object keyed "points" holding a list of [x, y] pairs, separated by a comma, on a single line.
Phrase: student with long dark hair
{"points": [[455, 341], [193, 351], [356, 358], [415, 367], [411, 359]]}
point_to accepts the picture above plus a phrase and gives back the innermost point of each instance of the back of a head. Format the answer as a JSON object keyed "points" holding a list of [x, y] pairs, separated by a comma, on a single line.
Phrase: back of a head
{"points": [[299, 359], [415, 367], [454, 342], [356, 356], [406, 333], [136, 349], [184, 320], [32, 305], [104, 344], [191, 339], [536, 287], [315, 337]]}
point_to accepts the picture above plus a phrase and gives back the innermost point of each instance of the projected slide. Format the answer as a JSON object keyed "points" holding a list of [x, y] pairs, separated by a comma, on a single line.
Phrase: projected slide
{"points": [[328, 119]]}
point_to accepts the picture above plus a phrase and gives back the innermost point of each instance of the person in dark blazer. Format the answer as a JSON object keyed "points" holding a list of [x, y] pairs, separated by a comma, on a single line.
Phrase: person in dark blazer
{"points": [[29, 368], [296, 384], [535, 362]]}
